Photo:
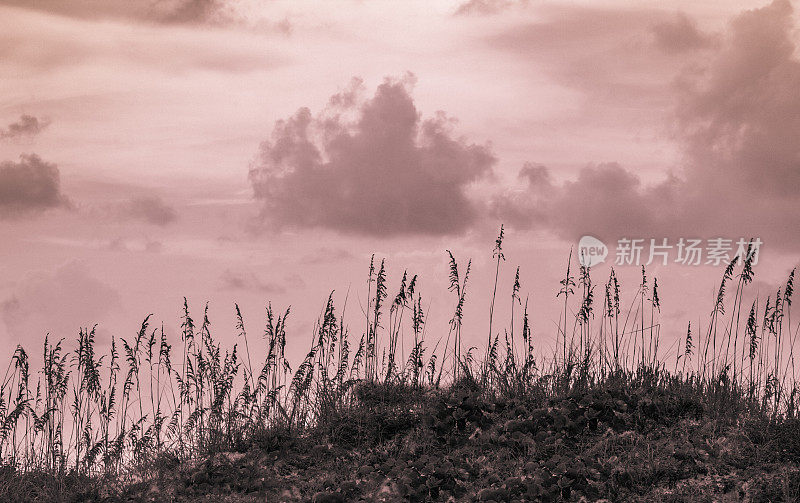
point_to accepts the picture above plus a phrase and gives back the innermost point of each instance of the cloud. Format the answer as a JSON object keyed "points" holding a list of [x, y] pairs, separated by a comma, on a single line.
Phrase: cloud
{"points": [[152, 246], [680, 34], [741, 116], [27, 125], [160, 11], [737, 120], [59, 302], [327, 255], [239, 280], [78, 43], [620, 57], [120, 244], [29, 185], [483, 7], [604, 200], [199, 11], [151, 209], [370, 166]]}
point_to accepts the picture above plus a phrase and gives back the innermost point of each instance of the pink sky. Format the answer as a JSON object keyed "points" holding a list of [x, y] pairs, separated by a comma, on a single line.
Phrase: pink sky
{"points": [[250, 151]]}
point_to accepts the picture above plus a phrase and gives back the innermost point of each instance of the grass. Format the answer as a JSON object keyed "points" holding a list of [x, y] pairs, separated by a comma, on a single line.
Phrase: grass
{"points": [[609, 414]]}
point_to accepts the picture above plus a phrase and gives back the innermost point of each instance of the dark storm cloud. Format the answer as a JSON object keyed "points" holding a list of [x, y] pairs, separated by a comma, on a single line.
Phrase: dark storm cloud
{"points": [[29, 185], [370, 167], [27, 125]]}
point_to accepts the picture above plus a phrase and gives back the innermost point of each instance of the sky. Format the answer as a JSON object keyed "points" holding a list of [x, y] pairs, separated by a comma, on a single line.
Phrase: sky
{"points": [[236, 151]]}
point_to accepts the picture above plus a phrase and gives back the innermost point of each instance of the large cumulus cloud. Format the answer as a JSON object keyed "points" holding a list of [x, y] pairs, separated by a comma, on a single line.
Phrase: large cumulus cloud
{"points": [[370, 166]]}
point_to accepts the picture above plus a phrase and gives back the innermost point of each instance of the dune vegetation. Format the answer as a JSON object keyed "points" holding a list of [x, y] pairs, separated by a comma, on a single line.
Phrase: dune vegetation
{"points": [[377, 412]]}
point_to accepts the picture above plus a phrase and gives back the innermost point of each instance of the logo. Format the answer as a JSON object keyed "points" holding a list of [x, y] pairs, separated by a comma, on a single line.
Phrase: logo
{"points": [[689, 251], [591, 251]]}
